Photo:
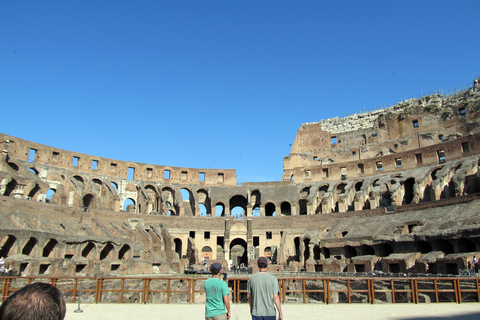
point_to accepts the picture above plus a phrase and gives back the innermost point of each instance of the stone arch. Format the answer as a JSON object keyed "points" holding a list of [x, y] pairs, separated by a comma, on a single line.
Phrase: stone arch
{"points": [[220, 209], [238, 251], [204, 199], [366, 250], [466, 245], [123, 252], [178, 247], [423, 247], [349, 252], [444, 246], [207, 253], [10, 186], [384, 250], [286, 208], [408, 187], [48, 248], [153, 202], [88, 201], [29, 246], [238, 201], [107, 251], [341, 188], [13, 165], [129, 205], [358, 185], [188, 201], [270, 209], [33, 192], [6, 245], [89, 250], [169, 201]]}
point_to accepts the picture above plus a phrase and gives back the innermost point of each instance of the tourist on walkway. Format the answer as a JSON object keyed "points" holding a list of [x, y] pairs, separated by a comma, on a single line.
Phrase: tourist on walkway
{"points": [[216, 291], [263, 295]]}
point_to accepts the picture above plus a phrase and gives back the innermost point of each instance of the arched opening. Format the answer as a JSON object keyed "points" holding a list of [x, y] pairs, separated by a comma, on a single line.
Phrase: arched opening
{"points": [[48, 248], [28, 247], [238, 252], [129, 205], [408, 191], [122, 253], [303, 206], [87, 251], [270, 210], [178, 247], [358, 185], [350, 252], [10, 187], [444, 246], [238, 212], [219, 210], [106, 251], [267, 253], [236, 203], [286, 209], [34, 171], [306, 251], [424, 247], [207, 253], [203, 210], [114, 185], [33, 192], [384, 250], [466, 245], [256, 211], [50, 194], [366, 250], [316, 252], [341, 188], [79, 178], [205, 201], [188, 201], [6, 244], [97, 181], [14, 166], [88, 201], [297, 248]]}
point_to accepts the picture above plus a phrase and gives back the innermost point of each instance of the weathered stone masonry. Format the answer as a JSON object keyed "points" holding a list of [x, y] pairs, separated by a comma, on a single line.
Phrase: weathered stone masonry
{"points": [[400, 183]]}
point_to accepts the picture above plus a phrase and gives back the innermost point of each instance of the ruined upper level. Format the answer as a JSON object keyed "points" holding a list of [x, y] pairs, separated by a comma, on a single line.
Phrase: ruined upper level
{"points": [[39, 154], [370, 141]]}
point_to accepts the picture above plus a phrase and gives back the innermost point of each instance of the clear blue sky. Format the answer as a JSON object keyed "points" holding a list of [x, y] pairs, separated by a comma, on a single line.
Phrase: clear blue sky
{"points": [[219, 84]]}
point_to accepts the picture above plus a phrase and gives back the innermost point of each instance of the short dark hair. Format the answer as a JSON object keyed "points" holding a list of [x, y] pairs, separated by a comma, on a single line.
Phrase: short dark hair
{"points": [[37, 301]]}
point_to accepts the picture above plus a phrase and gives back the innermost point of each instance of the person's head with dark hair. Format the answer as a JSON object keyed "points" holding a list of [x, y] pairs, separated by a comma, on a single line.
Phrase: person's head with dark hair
{"points": [[262, 262], [216, 268], [37, 301]]}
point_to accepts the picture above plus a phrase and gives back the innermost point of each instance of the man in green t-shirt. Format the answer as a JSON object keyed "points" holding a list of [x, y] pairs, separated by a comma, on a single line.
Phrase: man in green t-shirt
{"points": [[216, 291], [263, 295]]}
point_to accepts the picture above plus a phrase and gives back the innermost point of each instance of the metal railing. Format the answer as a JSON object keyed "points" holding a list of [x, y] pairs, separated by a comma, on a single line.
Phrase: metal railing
{"points": [[292, 290]]}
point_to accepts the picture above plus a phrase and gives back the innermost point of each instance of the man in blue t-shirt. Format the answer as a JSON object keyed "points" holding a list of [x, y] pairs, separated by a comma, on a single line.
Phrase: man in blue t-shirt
{"points": [[263, 295], [216, 291]]}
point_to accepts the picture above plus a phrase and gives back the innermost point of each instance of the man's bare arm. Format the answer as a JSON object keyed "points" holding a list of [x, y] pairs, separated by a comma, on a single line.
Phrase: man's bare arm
{"points": [[226, 301], [276, 299], [250, 302]]}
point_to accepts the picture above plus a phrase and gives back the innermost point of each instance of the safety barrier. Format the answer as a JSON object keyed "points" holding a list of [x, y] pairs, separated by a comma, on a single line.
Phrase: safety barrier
{"points": [[292, 289]]}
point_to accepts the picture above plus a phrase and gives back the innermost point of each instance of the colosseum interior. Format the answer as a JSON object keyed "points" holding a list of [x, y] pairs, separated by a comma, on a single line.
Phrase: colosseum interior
{"points": [[399, 184]]}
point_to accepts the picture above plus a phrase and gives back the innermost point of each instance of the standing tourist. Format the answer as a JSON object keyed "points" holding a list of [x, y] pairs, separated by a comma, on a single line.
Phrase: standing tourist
{"points": [[263, 294], [216, 291]]}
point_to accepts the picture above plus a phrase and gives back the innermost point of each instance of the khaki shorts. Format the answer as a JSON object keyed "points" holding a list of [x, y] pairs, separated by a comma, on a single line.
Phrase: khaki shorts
{"points": [[220, 317]]}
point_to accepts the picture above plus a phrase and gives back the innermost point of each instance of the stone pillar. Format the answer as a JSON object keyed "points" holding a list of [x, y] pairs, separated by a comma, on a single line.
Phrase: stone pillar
{"points": [[226, 240]]}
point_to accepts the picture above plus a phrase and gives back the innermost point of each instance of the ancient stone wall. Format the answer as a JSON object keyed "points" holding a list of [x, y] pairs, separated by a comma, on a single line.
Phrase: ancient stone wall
{"points": [[400, 184]]}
